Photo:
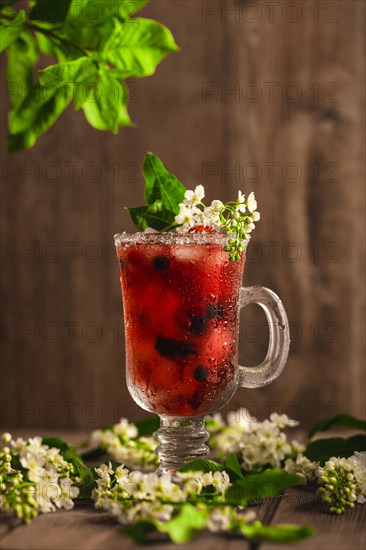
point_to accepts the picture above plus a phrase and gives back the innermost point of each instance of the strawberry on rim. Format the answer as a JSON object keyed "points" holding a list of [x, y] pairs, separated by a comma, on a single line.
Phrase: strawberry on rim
{"points": [[202, 229]]}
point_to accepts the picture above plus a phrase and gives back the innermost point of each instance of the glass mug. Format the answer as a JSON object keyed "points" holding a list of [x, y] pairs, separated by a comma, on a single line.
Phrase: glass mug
{"points": [[182, 299]]}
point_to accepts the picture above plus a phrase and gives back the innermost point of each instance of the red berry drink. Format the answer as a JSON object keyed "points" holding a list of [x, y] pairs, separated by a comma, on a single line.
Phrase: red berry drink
{"points": [[180, 296]]}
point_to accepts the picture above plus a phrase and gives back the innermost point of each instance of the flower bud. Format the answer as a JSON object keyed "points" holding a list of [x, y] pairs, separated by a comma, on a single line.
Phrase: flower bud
{"points": [[217, 205], [6, 437]]}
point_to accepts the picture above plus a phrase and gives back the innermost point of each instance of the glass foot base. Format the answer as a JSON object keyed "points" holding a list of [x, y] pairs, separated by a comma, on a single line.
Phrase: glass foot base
{"points": [[181, 439]]}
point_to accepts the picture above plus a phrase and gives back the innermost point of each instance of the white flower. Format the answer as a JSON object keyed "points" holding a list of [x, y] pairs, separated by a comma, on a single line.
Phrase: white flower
{"points": [[358, 465], [34, 445], [193, 486], [219, 519], [96, 437], [211, 217], [240, 203], [188, 217], [221, 481], [185, 216], [34, 464], [104, 472], [302, 466], [241, 419], [126, 429], [217, 205], [68, 492], [194, 197], [19, 444], [121, 474], [47, 492], [256, 216], [207, 479], [251, 202], [249, 228], [282, 420]]}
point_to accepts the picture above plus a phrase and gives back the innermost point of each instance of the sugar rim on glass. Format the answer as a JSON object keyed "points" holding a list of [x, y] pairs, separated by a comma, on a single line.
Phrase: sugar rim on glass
{"points": [[172, 238]]}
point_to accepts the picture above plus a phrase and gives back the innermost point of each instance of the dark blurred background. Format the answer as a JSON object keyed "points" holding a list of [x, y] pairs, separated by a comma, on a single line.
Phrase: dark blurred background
{"points": [[264, 96]]}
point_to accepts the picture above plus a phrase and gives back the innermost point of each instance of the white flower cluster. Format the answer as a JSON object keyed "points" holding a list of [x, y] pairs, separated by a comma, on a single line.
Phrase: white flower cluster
{"points": [[48, 478], [189, 212], [260, 443], [227, 518], [121, 443], [343, 481], [302, 466], [132, 496], [193, 212]]}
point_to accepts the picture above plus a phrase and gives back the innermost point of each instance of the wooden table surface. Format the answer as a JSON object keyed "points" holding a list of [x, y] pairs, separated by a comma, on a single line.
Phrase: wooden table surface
{"points": [[85, 528]]}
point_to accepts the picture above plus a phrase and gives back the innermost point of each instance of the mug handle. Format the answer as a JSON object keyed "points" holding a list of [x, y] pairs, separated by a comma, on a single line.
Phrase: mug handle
{"points": [[279, 337]]}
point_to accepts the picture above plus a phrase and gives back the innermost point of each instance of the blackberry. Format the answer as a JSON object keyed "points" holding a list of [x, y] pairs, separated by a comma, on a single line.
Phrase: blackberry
{"points": [[168, 347], [161, 263], [200, 374], [200, 322], [198, 325], [214, 311]]}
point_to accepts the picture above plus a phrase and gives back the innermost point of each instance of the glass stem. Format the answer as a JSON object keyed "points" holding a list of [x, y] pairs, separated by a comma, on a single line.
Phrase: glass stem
{"points": [[181, 439]]}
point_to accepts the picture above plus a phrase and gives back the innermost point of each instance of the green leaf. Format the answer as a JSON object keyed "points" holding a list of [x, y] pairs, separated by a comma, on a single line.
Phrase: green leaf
{"points": [[53, 12], [163, 193], [137, 46], [233, 465], [344, 420], [22, 56], [138, 531], [93, 454], [202, 465], [253, 487], [4, 5], [185, 525], [147, 426], [11, 29], [89, 24], [39, 110], [161, 184], [106, 105], [86, 12], [77, 75], [86, 483], [75, 71], [153, 215], [324, 449], [276, 533]]}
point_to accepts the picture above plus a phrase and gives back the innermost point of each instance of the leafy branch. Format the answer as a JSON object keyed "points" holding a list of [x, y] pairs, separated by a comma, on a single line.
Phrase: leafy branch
{"points": [[96, 44]]}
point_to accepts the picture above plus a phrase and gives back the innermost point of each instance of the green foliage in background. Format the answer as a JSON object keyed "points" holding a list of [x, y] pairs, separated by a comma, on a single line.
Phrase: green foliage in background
{"points": [[97, 45]]}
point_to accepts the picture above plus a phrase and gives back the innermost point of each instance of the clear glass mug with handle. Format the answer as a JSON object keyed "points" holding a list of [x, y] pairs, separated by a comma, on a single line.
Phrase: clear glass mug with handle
{"points": [[182, 298]]}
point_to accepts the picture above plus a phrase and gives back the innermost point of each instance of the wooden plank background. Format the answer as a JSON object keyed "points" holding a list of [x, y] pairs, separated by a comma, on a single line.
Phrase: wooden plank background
{"points": [[263, 96]]}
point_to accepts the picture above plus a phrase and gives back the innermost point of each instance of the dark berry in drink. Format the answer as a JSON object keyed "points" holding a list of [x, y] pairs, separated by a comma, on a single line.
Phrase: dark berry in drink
{"points": [[168, 347], [200, 374], [161, 263]]}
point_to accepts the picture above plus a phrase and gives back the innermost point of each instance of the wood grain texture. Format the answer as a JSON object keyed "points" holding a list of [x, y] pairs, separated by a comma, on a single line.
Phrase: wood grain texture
{"points": [[62, 331], [331, 532], [85, 528]]}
